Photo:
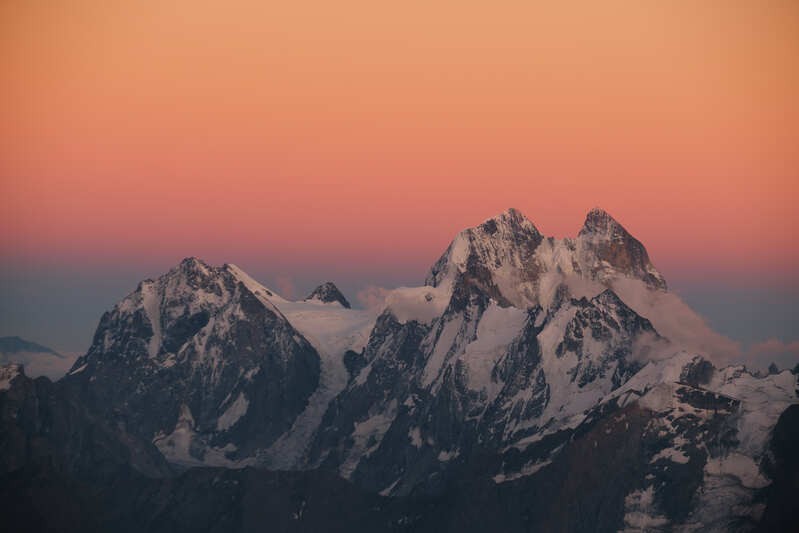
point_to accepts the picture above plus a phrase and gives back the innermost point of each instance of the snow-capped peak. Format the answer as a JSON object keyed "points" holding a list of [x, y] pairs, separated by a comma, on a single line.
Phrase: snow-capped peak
{"points": [[216, 328], [507, 256], [328, 293], [519, 343], [507, 240], [599, 222], [607, 249], [510, 221], [8, 373], [194, 264]]}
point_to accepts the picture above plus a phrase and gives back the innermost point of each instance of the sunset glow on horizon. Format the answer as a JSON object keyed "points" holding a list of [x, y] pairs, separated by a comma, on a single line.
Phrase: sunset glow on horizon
{"points": [[355, 133], [272, 265]]}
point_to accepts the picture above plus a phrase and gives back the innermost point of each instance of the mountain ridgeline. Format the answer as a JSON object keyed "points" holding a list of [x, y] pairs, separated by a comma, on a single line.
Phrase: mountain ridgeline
{"points": [[530, 383]]}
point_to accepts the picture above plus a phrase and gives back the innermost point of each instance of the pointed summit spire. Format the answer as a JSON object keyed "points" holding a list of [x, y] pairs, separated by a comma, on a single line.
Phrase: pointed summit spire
{"points": [[512, 219], [193, 263], [505, 242], [598, 221], [605, 243], [193, 269], [327, 293]]}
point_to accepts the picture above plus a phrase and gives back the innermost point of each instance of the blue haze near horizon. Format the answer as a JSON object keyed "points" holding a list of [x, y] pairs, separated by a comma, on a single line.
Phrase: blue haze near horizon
{"points": [[61, 309]]}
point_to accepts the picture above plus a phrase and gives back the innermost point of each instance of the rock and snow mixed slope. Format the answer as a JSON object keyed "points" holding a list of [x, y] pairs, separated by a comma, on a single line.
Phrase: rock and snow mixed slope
{"points": [[516, 348], [202, 363], [217, 369], [512, 262], [328, 293]]}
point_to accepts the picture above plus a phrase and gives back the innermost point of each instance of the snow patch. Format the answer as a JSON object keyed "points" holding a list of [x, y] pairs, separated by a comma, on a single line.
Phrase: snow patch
{"points": [[80, 369], [175, 446], [254, 287], [640, 513], [447, 455], [366, 437], [329, 327], [420, 304], [498, 327], [185, 447], [442, 348], [7, 374], [527, 470], [672, 454], [331, 330], [653, 384], [763, 400], [151, 303], [233, 413], [388, 490], [416, 437], [739, 466]]}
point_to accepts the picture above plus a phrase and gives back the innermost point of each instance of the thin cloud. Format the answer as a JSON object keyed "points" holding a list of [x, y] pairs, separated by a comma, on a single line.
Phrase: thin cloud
{"points": [[784, 354], [775, 347], [285, 287], [372, 297]]}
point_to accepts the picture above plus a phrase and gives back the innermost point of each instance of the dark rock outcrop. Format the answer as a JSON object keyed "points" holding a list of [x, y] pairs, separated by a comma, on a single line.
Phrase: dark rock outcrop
{"points": [[782, 464], [328, 292], [200, 362]]}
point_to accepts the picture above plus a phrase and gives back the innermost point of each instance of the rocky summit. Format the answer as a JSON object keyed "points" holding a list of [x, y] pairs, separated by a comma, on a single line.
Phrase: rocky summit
{"points": [[328, 293], [530, 384]]}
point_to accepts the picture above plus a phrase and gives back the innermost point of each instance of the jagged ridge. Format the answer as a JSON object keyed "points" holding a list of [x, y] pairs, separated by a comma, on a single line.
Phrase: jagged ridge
{"points": [[517, 346]]}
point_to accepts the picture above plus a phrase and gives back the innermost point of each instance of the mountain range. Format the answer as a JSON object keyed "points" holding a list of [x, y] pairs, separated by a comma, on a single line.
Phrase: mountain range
{"points": [[38, 360], [531, 383]]}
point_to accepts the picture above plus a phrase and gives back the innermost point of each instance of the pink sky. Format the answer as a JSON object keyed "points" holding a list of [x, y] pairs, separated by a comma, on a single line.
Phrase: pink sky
{"points": [[365, 135]]}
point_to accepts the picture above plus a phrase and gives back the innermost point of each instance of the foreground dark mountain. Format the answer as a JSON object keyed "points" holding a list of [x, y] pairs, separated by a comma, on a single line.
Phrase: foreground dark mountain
{"points": [[531, 383], [64, 468], [112, 481]]}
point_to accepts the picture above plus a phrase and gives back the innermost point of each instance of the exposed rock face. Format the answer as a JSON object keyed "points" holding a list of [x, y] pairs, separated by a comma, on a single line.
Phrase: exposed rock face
{"points": [[327, 293], [663, 458], [517, 377], [64, 468], [782, 465], [45, 424], [497, 257], [201, 363], [609, 247], [479, 377], [509, 259]]}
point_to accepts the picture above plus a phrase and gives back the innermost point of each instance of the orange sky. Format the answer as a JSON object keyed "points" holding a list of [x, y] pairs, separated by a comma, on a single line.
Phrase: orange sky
{"points": [[346, 133]]}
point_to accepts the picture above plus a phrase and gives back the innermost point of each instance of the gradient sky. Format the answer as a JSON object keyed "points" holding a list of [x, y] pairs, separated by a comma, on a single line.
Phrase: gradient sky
{"points": [[352, 140]]}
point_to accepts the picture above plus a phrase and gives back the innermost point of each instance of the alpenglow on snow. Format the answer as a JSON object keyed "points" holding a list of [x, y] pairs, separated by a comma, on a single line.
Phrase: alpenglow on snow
{"points": [[519, 356]]}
